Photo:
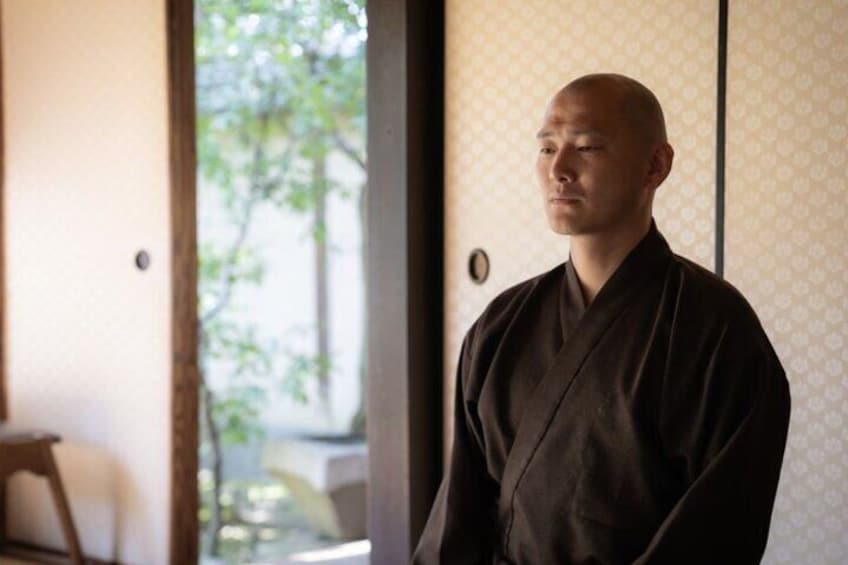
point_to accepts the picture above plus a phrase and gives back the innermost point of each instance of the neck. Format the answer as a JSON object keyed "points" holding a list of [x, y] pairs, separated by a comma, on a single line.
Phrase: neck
{"points": [[596, 256]]}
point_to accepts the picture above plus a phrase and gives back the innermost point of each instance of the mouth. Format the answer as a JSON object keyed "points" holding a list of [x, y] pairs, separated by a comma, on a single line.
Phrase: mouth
{"points": [[565, 199]]}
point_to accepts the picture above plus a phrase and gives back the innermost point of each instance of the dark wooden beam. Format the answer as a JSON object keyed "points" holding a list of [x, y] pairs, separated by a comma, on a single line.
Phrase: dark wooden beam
{"points": [[405, 248], [721, 120], [184, 372]]}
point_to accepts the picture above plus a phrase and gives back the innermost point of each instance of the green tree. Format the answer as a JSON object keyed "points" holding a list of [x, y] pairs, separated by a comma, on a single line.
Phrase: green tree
{"points": [[280, 86]]}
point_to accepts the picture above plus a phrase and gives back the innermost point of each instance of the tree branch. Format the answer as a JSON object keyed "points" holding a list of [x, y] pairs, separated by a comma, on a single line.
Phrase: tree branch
{"points": [[348, 150], [256, 191]]}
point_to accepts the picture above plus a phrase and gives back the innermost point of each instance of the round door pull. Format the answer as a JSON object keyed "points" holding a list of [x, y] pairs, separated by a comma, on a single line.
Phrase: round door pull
{"points": [[478, 266], [142, 260]]}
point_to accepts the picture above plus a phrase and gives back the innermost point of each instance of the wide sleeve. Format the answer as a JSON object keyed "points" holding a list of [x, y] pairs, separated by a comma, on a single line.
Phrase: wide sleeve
{"points": [[461, 525], [725, 428]]}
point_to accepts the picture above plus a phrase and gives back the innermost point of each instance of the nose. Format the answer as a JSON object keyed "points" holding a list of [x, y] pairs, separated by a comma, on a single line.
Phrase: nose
{"points": [[562, 170]]}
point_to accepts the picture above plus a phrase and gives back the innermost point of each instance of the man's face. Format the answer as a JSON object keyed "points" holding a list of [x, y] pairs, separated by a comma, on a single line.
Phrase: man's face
{"points": [[591, 165]]}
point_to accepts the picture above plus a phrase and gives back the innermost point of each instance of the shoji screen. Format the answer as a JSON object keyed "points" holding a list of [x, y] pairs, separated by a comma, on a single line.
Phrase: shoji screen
{"points": [[88, 334], [504, 60], [787, 245], [786, 234]]}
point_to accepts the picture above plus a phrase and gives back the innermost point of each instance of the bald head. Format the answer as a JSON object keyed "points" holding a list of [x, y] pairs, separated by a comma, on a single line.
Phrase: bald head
{"points": [[602, 154], [622, 95]]}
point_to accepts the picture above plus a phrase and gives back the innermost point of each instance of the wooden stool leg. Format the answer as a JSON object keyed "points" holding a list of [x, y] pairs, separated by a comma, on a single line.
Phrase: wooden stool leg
{"points": [[2, 512], [62, 505]]}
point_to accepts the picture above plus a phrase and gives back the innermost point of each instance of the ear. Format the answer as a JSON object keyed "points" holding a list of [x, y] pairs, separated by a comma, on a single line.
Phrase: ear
{"points": [[660, 165]]}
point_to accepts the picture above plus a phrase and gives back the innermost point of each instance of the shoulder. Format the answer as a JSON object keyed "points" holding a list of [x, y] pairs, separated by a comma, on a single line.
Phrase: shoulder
{"points": [[718, 344], [715, 307], [711, 296], [503, 307], [485, 335], [492, 322]]}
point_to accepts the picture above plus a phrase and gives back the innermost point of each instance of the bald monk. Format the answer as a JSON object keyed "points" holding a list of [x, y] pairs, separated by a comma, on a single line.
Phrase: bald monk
{"points": [[625, 406]]}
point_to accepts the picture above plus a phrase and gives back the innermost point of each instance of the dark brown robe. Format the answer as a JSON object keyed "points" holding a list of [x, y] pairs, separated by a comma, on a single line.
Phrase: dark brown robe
{"points": [[647, 428]]}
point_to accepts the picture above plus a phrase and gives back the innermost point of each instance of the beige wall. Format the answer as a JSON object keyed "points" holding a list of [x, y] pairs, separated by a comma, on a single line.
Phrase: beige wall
{"points": [[787, 187], [787, 236], [88, 334]]}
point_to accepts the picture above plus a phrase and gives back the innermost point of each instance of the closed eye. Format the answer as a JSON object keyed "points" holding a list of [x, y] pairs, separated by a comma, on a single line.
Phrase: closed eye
{"points": [[587, 148]]}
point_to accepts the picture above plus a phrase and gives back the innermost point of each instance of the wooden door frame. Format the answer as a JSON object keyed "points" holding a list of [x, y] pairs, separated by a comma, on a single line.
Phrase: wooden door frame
{"points": [[182, 133], [405, 54], [405, 270]]}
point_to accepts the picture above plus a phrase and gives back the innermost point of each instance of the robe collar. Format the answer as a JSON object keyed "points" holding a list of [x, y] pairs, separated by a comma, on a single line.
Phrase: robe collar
{"points": [[645, 260]]}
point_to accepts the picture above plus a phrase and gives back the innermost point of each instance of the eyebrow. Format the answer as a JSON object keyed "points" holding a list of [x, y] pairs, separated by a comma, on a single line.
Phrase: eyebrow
{"points": [[543, 133]]}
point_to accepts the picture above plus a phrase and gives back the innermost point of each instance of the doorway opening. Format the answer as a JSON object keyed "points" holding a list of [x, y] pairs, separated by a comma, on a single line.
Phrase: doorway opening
{"points": [[281, 183]]}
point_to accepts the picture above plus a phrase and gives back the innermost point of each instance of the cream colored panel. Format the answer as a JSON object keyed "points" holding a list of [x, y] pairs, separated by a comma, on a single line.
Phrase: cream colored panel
{"points": [[504, 60], [88, 334], [787, 245]]}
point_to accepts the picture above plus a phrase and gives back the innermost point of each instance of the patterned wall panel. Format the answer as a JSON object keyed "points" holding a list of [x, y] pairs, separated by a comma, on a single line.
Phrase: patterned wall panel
{"points": [[88, 334], [787, 245], [504, 60]]}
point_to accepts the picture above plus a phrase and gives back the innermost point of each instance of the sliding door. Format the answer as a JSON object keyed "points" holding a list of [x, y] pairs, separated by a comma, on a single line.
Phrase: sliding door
{"points": [[786, 241], [87, 248]]}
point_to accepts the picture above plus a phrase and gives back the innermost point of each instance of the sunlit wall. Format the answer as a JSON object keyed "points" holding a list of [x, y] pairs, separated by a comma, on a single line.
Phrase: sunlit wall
{"points": [[88, 334]]}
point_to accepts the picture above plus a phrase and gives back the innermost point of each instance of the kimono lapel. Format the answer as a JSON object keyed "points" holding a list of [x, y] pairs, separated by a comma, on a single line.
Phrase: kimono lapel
{"points": [[571, 303], [582, 331]]}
